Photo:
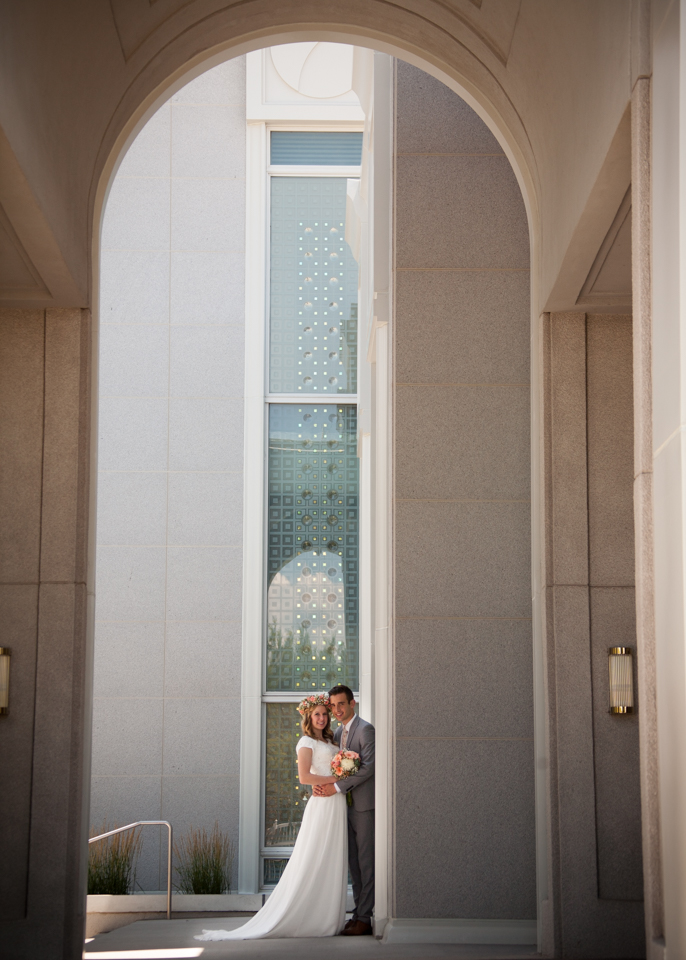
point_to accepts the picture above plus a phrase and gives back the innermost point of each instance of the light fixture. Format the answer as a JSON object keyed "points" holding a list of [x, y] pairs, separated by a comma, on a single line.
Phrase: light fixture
{"points": [[621, 664], [4, 680]]}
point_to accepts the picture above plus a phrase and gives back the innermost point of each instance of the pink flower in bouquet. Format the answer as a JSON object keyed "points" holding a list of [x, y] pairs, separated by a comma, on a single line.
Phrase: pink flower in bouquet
{"points": [[345, 763]]}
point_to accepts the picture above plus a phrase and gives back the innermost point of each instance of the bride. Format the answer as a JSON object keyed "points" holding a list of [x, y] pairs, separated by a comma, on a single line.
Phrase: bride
{"points": [[309, 899]]}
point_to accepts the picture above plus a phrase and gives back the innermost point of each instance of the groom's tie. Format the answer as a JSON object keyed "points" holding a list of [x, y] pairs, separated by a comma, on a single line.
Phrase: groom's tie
{"points": [[344, 738]]}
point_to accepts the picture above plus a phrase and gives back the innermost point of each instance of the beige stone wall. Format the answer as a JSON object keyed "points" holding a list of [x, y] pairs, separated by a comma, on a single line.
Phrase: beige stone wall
{"points": [[612, 599], [663, 480], [595, 810], [44, 433], [464, 810]]}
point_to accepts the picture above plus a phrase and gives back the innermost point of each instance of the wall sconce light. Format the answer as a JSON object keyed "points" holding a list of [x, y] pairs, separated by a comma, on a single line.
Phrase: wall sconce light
{"points": [[4, 680], [621, 664]]}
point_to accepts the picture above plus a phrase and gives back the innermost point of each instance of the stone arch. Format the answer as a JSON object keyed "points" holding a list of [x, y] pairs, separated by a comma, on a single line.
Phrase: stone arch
{"points": [[471, 81], [444, 55]]}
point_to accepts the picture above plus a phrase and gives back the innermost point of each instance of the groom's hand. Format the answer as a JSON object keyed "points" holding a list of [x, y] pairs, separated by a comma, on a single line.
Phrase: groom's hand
{"points": [[324, 790]]}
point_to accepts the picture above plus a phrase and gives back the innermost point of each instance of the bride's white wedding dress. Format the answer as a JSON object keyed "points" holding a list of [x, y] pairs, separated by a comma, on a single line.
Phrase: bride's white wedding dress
{"points": [[309, 899]]}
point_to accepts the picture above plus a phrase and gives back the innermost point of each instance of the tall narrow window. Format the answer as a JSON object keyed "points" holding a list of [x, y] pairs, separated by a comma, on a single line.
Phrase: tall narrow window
{"points": [[311, 634]]}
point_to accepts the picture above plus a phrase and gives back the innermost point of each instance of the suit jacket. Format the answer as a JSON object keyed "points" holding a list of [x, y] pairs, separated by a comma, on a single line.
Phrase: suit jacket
{"points": [[361, 740]]}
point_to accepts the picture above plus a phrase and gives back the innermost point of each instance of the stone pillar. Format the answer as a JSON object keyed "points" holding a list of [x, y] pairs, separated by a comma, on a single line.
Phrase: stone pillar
{"points": [[594, 779], [464, 747], [643, 475], [668, 456], [44, 744]]}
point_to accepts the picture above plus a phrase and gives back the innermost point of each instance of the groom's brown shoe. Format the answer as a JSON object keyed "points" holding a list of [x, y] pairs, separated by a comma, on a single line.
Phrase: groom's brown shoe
{"points": [[357, 929]]}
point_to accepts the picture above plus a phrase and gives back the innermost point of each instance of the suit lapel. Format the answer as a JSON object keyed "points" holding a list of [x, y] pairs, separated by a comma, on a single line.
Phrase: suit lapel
{"points": [[351, 733]]}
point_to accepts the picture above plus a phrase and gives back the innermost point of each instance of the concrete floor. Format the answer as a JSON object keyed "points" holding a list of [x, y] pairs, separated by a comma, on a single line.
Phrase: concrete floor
{"points": [[173, 940]]}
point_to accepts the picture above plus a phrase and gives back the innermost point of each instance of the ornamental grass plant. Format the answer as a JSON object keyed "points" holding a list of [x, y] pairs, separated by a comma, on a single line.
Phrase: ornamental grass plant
{"points": [[112, 862], [203, 861]]}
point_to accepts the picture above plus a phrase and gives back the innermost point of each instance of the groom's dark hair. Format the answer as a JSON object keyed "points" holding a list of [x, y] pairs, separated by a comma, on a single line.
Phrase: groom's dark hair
{"points": [[341, 688]]}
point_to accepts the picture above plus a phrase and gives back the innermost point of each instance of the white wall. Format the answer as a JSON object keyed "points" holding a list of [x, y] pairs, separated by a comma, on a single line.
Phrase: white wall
{"points": [[169, 526]]}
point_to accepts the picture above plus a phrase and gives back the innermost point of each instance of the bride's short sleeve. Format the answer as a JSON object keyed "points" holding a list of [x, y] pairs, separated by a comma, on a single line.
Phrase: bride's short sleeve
{"points": [[304, 742]]}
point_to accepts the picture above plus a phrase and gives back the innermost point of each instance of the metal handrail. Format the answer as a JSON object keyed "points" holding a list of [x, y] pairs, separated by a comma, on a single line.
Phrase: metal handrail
{"points": [[148, 823]]}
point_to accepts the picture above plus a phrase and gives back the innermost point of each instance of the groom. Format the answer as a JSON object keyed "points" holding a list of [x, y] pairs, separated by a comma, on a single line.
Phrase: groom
{"points": [[358, 735]]}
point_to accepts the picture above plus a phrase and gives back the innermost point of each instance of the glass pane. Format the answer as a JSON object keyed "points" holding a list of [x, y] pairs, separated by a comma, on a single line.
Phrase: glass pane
{"points": [[313, 288], [285, 797], [313, 566], [272, 871], [274, 868], [312, 148]]}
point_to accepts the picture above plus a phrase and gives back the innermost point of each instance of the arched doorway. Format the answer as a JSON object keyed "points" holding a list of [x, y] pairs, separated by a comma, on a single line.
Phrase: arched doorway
{"points": [[387, 511]]}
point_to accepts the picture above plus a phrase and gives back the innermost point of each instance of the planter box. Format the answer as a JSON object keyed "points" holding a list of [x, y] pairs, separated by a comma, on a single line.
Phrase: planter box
{"points": [[105, 913]]}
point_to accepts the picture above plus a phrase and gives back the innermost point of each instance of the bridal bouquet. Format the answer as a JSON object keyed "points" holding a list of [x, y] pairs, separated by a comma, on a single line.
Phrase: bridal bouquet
{"points": [[345, 764]]}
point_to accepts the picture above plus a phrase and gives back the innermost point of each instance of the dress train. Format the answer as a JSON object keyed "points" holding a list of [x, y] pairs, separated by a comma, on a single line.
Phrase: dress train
{"points": [[309, 899]]}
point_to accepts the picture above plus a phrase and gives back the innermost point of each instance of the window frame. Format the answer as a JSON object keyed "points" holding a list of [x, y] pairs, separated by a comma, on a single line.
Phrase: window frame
{"points": [[254, 698]]}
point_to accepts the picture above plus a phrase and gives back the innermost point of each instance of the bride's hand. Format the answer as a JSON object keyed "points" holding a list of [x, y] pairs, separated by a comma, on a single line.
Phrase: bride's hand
{"points": [[324, 790], [325, 782]]}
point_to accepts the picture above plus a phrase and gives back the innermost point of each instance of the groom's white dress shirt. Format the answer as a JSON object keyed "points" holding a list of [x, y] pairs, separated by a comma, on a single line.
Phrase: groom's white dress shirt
{"points": [[344, 742]]}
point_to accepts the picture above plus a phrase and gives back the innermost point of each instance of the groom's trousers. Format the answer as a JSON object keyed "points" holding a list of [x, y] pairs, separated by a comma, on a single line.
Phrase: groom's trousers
{"points": [[361, 861]]}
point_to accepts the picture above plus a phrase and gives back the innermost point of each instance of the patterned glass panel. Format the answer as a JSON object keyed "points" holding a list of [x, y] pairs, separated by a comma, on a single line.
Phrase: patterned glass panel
{"points": [[313, 565], [313, 288], [285, 797]]}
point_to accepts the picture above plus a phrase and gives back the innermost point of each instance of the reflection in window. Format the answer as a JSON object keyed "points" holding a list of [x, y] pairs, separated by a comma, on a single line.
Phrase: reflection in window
{"points": [[272, 871], [285, 796], [313, 548], [306, 642]]}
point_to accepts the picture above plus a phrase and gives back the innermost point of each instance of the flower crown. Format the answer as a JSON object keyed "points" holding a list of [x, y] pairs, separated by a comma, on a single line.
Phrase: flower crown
{"points": [[316, 700]]}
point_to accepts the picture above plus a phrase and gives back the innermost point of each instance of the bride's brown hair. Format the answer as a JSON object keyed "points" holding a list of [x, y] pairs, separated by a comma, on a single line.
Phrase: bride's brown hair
{"points": [[308, 729]]}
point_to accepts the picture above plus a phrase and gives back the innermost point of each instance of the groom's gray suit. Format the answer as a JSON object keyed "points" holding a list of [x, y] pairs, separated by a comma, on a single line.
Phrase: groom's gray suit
{"points": [[360, 816]]}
